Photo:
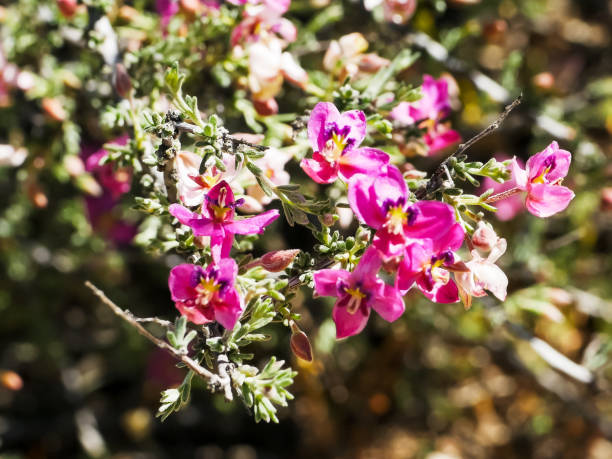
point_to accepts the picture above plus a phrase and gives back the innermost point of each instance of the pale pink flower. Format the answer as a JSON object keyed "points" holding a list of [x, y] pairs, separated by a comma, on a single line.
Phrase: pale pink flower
{"points": [[541, 180], [483, 275], [193, 186]]}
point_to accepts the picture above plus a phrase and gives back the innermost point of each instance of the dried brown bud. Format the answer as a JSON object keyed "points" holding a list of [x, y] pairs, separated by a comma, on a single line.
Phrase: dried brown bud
{"points": [[300, 344], [10, 380], [278, 260], [67, 7], [121, 81], [54, 108], [484, 237]]}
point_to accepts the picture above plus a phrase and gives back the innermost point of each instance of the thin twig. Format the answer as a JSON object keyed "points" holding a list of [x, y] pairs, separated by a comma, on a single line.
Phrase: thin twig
{"points": [[502, 195], [437, 178], [214, 380], [193, 129]]}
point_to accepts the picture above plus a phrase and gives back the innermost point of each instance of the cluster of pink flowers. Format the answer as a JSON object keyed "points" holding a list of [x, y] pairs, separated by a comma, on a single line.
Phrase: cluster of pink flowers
{"points": [[417, 240]]}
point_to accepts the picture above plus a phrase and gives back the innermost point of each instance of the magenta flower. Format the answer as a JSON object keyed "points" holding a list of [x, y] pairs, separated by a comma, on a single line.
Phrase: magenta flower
{"points": [[541, 180], [218, 219], [334, 137], [427, 112], [117, 181], [208, 294], [359, 292], [166, 9], [193, 186], [382, 203], [427, 264]]}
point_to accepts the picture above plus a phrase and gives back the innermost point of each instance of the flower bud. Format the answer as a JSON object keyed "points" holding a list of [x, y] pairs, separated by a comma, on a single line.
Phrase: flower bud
{"points": [[67, 7], [278, 260], [10, 380], [484, 237], [54, 108], [606, 199], [544, 81], [121, 81], [300, 344], [127, 13], [327, 219], [37, 196], [266, 107], [372, 63], [74, 165]]}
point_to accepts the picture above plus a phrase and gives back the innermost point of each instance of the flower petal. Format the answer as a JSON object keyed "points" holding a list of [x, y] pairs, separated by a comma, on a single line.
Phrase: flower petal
{"points": [[182, 281], [519, 174], [326, 281], [348, 324], [229, 310], [364, 160], [544, 200], [252, 225], [194, 314], [389, 305], [319, 169], [322, 113]]}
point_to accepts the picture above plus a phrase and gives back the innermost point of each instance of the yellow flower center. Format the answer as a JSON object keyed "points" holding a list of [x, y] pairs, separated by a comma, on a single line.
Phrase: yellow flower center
{"points": [[206, 290], [541, 178], [356, 297], [396, 218], [334, 148]]}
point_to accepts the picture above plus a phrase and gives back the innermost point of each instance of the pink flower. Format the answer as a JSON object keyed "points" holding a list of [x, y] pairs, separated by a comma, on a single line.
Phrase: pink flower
{"points": [[334, 137], [345, 57], [541, 180], [207, 294], [359, 292], [483, 275], [166, 9], [193, 186], [428, 111], [269, 67], [506, 208], [263, 21], [382, 203], [218, 219], [428, 266], [118, 180]]}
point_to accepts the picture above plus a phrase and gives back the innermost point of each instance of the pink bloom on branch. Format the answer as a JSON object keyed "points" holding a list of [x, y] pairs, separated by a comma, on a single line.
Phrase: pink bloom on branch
{"points": [[541, 179], [218, 219], [382, 203], [483, 275], [359, 292], [334, 137], [208, 294]]}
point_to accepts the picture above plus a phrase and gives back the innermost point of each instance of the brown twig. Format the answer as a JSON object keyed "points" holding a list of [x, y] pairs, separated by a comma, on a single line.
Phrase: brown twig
{"points": [[221, 380], [437, 178]]}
